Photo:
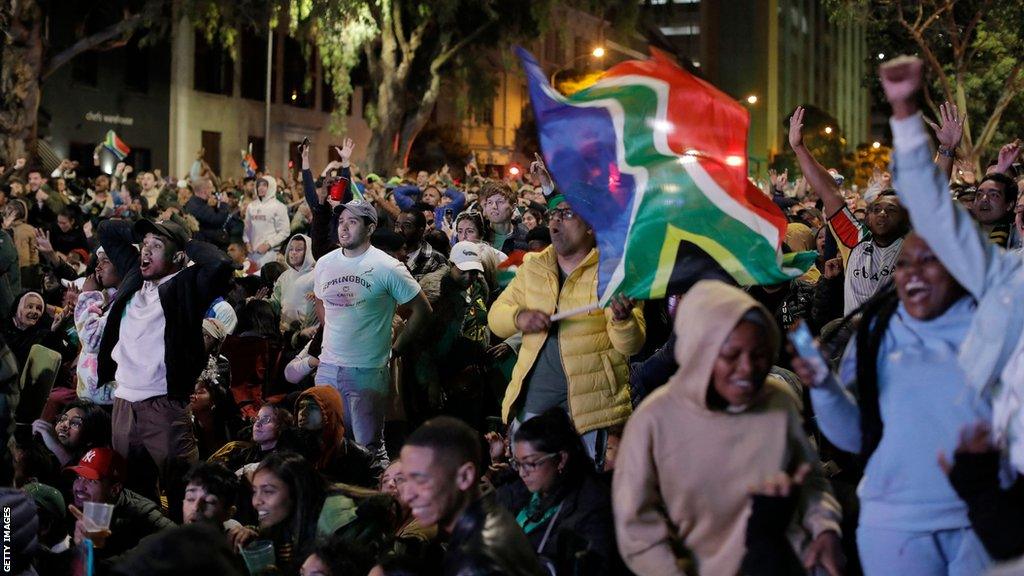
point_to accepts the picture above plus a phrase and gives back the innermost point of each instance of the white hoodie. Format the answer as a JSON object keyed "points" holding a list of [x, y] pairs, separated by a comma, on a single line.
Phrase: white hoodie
{"points": [[292, 286], [266, 221]]}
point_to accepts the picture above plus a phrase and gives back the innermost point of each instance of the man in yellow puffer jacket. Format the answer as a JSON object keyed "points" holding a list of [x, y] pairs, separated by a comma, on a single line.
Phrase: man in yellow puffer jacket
{"points": [[579, 363]]}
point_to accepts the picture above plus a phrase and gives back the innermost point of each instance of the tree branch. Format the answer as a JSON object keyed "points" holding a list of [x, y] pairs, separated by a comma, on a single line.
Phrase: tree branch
{"points": [[396, 19], [446, 55], [1011, 88], [123, 29]]}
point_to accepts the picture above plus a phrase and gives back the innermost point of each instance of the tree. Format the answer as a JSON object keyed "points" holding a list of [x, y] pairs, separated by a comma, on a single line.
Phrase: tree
{"points": [[27, 59], [411, 47], [971, 49]]}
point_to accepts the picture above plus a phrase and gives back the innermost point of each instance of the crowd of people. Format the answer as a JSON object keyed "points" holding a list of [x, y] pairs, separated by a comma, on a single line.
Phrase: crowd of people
{"points": [[349, 374]]}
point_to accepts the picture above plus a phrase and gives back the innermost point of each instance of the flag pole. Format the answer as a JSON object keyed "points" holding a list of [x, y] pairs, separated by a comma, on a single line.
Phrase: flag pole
{"points": [[575, 312]]}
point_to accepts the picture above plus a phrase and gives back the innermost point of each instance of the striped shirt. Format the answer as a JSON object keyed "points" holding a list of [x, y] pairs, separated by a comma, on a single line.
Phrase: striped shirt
{"points": [[869, 267]]}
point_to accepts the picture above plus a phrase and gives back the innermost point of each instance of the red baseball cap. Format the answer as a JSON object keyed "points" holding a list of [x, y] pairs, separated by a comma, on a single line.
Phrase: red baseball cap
{"points": [[100, 464]]}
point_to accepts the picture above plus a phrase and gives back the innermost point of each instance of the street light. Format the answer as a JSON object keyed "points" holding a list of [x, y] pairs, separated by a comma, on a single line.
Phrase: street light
{"points": [[876, 145], [596, 53], [828, 129], [752, 99]]}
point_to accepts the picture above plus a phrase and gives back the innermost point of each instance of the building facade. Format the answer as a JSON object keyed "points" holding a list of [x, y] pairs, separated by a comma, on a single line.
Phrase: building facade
{"points": [[784, 53]]}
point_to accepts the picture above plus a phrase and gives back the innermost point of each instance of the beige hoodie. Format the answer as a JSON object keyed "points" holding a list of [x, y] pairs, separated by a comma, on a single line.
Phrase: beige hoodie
{"points": [[684, 471]]}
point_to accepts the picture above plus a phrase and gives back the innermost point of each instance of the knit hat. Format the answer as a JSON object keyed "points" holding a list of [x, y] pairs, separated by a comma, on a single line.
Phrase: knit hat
{"points": [[46, 498], [555, 200]]}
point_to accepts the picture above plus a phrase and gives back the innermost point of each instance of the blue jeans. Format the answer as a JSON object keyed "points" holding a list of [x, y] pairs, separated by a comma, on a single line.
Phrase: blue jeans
{"points": [[364, 395]]}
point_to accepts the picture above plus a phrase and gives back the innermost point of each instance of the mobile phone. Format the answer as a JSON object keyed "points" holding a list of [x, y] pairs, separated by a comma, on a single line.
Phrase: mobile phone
{"points": [[802, 340], [448, 217], [305, 143]]}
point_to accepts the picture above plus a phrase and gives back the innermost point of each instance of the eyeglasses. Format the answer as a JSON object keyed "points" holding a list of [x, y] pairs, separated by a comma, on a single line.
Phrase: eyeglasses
{"points": [[75, 422], [561, 214], [530, 466], [264, 421]]}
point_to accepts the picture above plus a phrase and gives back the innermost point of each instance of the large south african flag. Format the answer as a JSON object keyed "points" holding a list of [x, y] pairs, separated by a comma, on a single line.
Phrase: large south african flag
{"points": [[654, 159]]}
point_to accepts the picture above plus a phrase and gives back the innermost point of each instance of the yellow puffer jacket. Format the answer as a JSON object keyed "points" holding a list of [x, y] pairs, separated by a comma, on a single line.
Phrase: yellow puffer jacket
{"points": [[595, 349]]}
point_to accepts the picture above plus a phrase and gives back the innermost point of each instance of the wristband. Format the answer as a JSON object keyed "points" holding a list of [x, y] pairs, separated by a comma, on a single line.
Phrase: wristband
{"points": [[947, 152]]}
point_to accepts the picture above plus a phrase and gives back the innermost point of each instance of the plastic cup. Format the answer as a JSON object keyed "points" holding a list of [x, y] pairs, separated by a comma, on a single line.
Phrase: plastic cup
{"points": [[97, 515], [259, 556]]}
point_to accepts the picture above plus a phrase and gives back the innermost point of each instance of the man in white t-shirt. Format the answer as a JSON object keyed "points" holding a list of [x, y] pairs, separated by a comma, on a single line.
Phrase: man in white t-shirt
{"points": [[358, 288]]}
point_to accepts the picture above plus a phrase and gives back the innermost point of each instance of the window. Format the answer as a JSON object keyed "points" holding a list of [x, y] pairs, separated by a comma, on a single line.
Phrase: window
{"points": [[211, 144], [81, 152], [485, 117], [141, 159], [297, 71], [258, 150], [689, 30], [85, 69], [136, 67], [214, 71], [294, 157], [253, 51]]}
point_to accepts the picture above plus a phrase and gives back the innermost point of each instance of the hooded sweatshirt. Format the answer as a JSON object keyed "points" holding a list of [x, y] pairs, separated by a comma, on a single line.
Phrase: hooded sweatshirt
{"points": [[684, 469], [292, 286], [924, 402], [332, 434], [266, 221], [339, 460]]}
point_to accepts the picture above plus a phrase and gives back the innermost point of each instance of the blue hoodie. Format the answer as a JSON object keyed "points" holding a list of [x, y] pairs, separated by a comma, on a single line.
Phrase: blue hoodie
{"points": [[924, 403]]}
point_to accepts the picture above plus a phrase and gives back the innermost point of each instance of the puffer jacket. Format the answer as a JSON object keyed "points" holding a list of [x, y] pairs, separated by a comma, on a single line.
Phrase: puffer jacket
{"points": [[595, 349]]}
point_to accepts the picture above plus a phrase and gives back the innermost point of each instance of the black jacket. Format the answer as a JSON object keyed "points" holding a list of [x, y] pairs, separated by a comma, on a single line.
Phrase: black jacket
{"points": [[487, 541], [211, 220], [134, 518], [584, 523], [994, 511], [184, 299]]}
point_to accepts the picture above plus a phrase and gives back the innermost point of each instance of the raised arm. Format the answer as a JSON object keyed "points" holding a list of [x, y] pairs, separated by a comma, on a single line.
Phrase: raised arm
{"points": [[924, 190], [816, 174], [117, 238]]}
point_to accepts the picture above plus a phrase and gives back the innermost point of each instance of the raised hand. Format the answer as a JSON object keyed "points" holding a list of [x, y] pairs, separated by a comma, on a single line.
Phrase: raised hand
{"points": [[540, 174], [796, 126], [43, 241], [1008, 154], [901, 80], [19, 163], [950, 129], [834, 267], [345, 152]]}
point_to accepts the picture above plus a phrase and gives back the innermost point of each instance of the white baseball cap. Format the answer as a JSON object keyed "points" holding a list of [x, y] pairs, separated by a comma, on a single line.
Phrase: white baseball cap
{"points": [[466, 256]]}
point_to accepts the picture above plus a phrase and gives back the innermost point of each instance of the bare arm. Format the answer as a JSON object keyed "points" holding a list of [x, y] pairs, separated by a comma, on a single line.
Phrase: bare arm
{"points": [[816, 174], [417, 320]]}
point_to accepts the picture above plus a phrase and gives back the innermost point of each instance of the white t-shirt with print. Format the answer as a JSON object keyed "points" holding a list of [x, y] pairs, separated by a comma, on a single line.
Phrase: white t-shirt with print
{"points": [[360, 296]]}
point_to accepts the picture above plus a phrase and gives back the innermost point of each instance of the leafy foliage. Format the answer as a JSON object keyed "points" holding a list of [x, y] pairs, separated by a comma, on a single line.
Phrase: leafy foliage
{"points": [[971, 49]]}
